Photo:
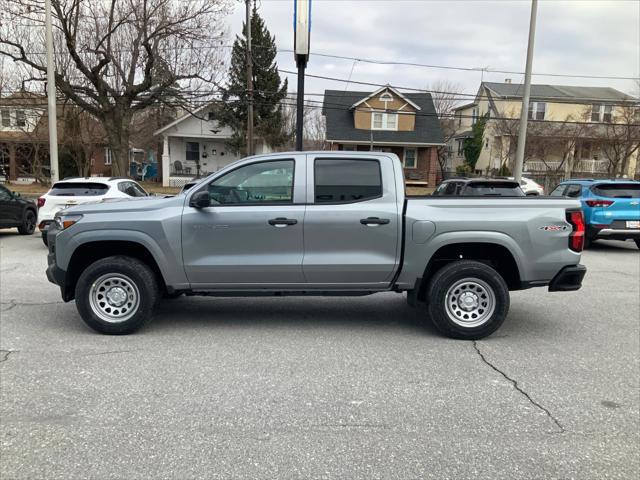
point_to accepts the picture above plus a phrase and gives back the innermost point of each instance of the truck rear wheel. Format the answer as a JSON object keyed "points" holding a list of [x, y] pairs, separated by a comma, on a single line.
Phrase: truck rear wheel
{"points": [[467, 300], [117, 295]]}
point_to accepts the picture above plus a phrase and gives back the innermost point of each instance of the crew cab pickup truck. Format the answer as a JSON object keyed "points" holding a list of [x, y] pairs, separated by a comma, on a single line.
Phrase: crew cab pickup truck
{"points": [[315, 223]]}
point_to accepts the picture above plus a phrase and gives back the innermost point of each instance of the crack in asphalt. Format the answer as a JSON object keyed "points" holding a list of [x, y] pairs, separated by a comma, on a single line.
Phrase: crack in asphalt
{"points": [[13, 303], [519, 389], [4, 355]]}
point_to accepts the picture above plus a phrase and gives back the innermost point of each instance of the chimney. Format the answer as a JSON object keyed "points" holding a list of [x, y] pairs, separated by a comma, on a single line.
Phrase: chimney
{"points": [[507, 80]]}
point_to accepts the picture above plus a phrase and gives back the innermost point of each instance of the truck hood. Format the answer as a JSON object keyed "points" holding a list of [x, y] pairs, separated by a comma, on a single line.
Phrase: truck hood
{"points": [[140, 204]]}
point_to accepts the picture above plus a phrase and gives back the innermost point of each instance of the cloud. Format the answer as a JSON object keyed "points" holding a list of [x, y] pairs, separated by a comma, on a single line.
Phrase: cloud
{"points": [[572, 37]]}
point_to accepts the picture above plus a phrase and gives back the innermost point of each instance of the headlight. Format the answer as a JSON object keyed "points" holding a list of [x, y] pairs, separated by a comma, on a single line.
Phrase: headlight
{"points": [[65, 221]]}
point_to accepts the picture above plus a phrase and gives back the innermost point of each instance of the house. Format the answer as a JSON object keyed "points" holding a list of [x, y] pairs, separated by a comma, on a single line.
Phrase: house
{"points": [[572, 129], [24, 137], [387, 120], [195, 144]]}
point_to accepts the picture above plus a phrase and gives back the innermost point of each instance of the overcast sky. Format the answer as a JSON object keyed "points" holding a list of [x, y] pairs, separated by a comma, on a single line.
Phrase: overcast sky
{"points": [[572, 37]]}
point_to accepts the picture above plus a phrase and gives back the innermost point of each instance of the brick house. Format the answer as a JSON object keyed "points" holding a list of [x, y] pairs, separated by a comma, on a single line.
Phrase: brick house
{"points": [[24, 137], [390, 121]]}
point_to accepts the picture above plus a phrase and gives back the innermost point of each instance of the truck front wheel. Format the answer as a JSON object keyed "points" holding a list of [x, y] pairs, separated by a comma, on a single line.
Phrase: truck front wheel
{"points": [[117, 295], [467, 300]]}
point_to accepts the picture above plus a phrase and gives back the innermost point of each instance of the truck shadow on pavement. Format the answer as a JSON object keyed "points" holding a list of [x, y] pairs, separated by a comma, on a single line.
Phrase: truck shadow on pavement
{"points": [[383, 311]]}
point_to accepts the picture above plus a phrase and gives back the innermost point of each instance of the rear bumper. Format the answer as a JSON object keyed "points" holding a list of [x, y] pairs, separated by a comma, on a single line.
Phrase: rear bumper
{"points": [[568, 279], [618, 232]]}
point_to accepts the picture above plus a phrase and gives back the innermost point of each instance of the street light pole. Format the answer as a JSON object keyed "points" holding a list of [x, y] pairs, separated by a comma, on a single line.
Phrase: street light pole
{"points": [[524, 114], [301, 36], [51, 95]]}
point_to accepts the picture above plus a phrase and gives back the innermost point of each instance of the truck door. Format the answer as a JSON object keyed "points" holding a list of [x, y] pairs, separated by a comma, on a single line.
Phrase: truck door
{"points": [[352, 223], [251, 235]]}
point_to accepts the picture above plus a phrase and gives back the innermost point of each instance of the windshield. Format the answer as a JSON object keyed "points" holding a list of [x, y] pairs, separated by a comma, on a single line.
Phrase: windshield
{"points": [[78, 189], [617, 190]]}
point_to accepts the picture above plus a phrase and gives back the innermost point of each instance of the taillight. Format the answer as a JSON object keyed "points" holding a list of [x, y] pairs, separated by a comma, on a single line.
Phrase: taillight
{"points": [[599, 203], [41, 201], [576, 237]]}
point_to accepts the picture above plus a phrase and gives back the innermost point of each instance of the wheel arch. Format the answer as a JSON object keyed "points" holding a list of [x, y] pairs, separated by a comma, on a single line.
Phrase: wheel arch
{"points": [[89, 252], [496, 255]]}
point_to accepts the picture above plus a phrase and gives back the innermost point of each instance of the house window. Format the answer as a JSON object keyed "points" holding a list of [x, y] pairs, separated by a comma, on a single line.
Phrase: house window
{"points": [[458, 116], [107, 156], [537, 110], [601, 113], [474, 116], [386, 97], [21, 118], [384, 121], [211, 116], [460, 146], [348, 148], [192, 151], [6, 118], [410, 158]]}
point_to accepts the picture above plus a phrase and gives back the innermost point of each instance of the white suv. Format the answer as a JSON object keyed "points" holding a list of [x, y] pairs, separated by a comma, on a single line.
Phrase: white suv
{"points": [[76, 191]]}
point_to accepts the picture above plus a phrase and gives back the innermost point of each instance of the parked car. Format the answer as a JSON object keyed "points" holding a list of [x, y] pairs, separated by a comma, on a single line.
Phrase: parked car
{"points": [[315, 223], [529, 186], [17, 212], [77, 191], [611, 207], [466, 187]]}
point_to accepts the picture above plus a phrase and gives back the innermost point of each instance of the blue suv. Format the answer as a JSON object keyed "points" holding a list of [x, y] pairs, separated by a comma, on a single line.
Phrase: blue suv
{"points": [[611, 207]]}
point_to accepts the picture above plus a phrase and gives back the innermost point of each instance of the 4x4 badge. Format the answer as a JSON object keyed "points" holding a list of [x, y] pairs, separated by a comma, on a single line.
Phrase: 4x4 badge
{"points": [[554, 228]]}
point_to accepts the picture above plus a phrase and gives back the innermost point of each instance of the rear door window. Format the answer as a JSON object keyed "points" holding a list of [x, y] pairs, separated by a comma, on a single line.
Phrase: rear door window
{"points": [[558, 191], [78, 189], [617, 190], [501, 189], [346, 181]]}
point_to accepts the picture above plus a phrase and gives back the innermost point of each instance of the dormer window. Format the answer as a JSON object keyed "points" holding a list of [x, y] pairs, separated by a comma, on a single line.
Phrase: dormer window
{"points": [[384, 121], [386, 97]]}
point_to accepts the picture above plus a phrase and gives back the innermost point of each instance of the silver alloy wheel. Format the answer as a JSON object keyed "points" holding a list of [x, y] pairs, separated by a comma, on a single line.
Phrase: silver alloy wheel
{"points": [[114, 298], [470, 302]]}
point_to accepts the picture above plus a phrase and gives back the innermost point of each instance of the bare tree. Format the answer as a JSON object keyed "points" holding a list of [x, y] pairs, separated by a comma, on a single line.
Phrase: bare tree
{"points": [[117, 57], [314, 125], [446, 97], [621, 139]]}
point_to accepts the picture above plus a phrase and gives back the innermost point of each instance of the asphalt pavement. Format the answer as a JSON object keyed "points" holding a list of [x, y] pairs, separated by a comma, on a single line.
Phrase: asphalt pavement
{"points": [[349, 388]]}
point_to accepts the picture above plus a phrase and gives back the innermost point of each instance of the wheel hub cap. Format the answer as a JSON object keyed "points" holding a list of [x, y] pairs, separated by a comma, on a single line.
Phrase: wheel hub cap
{"points": [[116, 296], [468, 301]]}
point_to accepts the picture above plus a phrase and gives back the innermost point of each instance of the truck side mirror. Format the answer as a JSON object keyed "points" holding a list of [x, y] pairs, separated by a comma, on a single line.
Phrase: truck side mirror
{"points": [[16, 194], [200, 200]]}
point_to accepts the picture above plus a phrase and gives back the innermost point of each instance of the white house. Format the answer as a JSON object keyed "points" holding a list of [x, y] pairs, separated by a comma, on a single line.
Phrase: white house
{"points": [[195, 144]]}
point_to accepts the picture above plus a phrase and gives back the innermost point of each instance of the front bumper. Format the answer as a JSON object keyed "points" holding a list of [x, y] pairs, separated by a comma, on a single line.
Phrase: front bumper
{"points": [[55, 274], [568, 279]]}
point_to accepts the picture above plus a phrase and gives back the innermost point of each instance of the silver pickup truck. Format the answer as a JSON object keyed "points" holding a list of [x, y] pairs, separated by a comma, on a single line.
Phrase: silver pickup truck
{"points": [[315, 223]]}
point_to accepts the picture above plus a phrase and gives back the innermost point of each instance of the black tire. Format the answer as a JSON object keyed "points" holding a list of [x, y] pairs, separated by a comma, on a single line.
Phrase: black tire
{"points": [[142, 283], [44, 239], [28, 223], [487, 282], [637, 240]]}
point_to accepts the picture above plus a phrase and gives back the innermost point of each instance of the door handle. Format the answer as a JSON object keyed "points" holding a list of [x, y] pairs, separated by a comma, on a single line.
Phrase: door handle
{"points": [[374, 221], [282, 222]]}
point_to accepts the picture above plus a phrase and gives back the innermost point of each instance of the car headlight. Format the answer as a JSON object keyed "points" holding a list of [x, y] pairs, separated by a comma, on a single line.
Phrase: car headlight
{"points": [[65, 221]]}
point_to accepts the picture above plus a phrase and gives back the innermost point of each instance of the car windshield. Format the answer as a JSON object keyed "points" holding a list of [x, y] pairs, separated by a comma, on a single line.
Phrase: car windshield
{"points": [[506, 189], [78, 189], [618, 190]]}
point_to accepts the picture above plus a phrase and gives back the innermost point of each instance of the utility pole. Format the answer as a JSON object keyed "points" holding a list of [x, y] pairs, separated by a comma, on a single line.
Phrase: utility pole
{"points": [[524, 114], [249, 61], [51, 95]]}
